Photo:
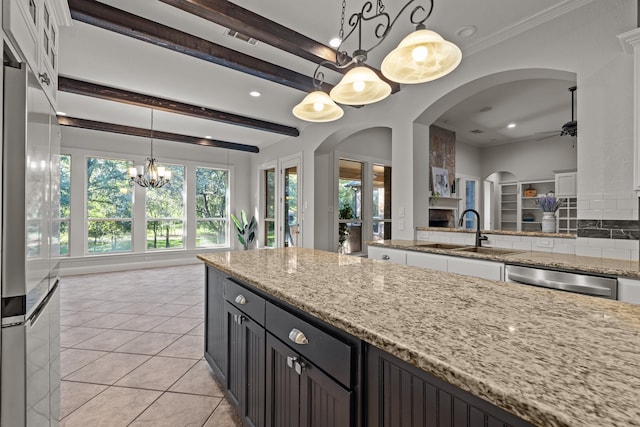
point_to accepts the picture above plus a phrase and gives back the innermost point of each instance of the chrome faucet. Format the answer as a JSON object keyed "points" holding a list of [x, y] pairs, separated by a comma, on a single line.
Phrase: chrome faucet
{"points": [[479, 236]]}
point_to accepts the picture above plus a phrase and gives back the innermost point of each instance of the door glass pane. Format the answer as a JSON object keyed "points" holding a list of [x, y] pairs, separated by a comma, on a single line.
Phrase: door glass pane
{"points": [[269, 208], [291, 224], [470, 203], [350, 206], [381, 202]]}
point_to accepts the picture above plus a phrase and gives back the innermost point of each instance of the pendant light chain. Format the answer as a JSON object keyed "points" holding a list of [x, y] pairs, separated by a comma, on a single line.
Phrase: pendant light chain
{"points": [[152, 133], [341, 33]]}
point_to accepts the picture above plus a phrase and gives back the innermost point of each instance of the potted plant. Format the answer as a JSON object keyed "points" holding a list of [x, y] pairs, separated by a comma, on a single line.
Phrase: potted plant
{"points": [[246, 229], [345, 212], [549, 205]]}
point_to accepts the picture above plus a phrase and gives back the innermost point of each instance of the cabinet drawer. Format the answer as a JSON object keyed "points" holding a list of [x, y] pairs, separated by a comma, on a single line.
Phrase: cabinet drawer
{"points": [[246, 301], [328, 353]]}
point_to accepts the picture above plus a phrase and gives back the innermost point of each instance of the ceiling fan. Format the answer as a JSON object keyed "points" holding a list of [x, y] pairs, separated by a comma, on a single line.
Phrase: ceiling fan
{"points": [[571, 127]]}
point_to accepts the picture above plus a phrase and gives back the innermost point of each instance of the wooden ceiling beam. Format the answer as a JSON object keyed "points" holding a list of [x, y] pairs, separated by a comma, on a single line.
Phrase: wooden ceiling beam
{"points": [[236, 18], [79, 87], [147, 133], [121, 22]]}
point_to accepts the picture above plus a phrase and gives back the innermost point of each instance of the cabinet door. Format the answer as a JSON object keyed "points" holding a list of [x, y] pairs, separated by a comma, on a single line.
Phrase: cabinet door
{"points": [[566, 184], [476, 268], [629, 290], [246, 369], [283, 386], [392, 255], [430, 261], [215, 344], [323, 402]]}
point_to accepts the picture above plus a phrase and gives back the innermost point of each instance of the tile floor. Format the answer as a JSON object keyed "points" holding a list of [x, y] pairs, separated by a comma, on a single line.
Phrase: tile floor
{"points": [[131, 351]]}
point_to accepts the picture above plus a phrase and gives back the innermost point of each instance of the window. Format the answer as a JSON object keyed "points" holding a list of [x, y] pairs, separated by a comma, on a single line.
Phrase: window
{"points": [[350, 206], [381, 202], [165, 212], [61, 209], [270, 208], [109, 205], [211, 207]]}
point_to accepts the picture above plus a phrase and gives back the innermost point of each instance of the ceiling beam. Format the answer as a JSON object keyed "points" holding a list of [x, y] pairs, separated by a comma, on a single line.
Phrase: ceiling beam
{"points": [[79, 87], [147, 133], [236, 18], [121, 22]]}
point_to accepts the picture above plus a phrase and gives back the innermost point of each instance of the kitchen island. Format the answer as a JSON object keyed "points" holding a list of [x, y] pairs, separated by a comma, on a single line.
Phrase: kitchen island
{"points": [[550, 358]]}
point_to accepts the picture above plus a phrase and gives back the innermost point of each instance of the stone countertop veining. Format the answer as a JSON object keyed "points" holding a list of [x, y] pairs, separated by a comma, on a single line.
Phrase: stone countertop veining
{"points": [[607, 266], [551, 358], [504, 232]]}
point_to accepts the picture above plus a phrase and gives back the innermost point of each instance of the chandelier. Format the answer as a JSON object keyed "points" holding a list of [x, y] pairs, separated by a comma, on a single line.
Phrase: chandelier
{"points": [[149, 175], [420, 57]]}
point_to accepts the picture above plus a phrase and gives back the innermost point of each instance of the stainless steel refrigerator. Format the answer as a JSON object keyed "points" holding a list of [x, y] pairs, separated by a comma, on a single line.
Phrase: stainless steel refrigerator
{"points": [[30, 343]]}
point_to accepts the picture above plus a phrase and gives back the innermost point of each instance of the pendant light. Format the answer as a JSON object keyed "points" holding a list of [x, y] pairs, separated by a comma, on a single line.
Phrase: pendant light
{"points": [[149, 175], [421, 57]]}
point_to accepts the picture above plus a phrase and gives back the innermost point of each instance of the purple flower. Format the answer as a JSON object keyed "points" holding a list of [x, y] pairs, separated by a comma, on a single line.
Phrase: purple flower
{"points": [[549, 203]]}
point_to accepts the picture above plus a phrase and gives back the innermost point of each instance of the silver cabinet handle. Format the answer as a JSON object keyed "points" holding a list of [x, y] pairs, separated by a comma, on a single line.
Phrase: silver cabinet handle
{"points": [[297, 364], [238, 318], [385, 257], [298, 337], [291, 361], [44, 78], [240, 299]]}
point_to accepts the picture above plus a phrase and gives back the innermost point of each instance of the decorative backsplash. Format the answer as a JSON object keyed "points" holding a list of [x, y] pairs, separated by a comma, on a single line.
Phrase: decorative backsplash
{"points": [[609, 229]]}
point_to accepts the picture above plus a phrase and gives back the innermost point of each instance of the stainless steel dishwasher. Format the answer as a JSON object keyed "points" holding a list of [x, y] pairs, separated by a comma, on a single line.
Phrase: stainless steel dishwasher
{"points": [[599, 286]]}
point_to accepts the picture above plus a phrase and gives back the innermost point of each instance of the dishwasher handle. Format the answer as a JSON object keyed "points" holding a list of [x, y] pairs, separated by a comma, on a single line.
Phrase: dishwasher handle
{"points": [[563, 286]]}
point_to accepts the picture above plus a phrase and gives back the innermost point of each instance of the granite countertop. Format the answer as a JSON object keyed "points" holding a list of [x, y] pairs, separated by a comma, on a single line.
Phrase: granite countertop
{"points": [[608, 266], [551, 358], [504, 232]]}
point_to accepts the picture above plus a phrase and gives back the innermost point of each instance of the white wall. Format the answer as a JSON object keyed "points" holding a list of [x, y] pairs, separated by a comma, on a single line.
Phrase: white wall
{"points": [[468, 160], [582, 42], [81, 142]]}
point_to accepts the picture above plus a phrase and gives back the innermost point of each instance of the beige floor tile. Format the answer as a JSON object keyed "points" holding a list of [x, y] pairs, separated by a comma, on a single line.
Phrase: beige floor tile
{"points": [[198, 330], [137, 307], [167, 310], [177, 325], [78, 334], [177, 410], [114, 407], [74, 395], [109, 320], [73, 359], [109, 306], [189, 300], [142, 322], [196, 311], [199, 380], [223, 416], [157, 373], [77, 305], [78, 318], [150, 343], [189, 346], [108, 369], [108, 340]]}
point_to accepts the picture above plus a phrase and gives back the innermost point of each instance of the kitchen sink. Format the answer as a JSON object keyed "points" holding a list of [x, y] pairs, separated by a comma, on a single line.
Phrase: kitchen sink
{"points": [[488, 251], [441, 246]]}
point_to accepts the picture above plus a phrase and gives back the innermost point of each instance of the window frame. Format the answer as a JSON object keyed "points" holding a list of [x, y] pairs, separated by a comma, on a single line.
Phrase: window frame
{"points": [[183, 219], [227, 210]]}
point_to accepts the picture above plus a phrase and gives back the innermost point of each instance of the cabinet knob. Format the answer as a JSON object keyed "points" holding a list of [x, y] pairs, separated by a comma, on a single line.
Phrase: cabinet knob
{"points": [[298, 337], [299, 366], [44, 78], [385, 257], [291, 361], [240, 299], [238, 318]]}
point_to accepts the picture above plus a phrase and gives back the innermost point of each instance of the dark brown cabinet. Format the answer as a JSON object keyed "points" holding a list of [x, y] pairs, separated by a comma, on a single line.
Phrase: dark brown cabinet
{"points": [[215, 329], [399, 394], [246, 368], [300, 394]]}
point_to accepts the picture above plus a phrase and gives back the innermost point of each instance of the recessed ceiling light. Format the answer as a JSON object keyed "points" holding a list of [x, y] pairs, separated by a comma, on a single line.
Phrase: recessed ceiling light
{"points": [[335, 42], [255, 93], [208, 137], [61, 113], [466, 31], [511, 125]]}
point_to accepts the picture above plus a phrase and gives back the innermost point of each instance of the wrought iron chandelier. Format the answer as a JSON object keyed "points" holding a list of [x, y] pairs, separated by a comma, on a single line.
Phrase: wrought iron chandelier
{"points": [[420, 57], [149, 175]]}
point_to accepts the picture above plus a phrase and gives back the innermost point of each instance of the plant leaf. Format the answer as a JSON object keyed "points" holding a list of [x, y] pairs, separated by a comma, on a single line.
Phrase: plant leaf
{"points": [[237, 223], [243, 214]]}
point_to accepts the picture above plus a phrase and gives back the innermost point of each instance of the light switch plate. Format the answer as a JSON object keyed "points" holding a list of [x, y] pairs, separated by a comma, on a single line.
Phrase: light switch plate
{"points": [[401, 212]]}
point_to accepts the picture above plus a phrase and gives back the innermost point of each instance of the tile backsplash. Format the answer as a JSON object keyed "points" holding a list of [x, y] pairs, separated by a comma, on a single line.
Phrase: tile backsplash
{"points": [[609, 229]]}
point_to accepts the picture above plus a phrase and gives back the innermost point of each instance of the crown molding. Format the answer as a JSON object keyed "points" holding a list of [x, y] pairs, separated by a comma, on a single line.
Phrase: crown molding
{"points": [[525, 25], [629, 40]]}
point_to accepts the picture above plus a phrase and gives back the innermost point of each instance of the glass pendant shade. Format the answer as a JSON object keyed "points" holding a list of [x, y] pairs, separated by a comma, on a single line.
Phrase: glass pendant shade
{"points": [[318, 107], [360, 86], [420, 57]]}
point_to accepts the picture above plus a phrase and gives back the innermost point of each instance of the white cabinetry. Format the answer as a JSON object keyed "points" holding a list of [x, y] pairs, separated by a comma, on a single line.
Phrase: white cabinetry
{"points": [[430, 261], [476, 268], [33, 28], [395, 256], [509, 206], [567, 214], [530, 213], [629, 290], [566, 184]]}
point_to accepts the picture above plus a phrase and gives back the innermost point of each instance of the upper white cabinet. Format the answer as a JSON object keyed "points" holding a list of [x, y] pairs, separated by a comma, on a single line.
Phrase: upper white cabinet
{"points": [[629, 290], [33, 27], [566, 184]]}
